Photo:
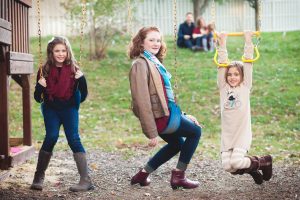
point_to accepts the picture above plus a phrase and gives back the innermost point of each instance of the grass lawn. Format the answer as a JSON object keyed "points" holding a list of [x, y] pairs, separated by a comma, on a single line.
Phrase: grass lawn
{"points": [[106, 121]]}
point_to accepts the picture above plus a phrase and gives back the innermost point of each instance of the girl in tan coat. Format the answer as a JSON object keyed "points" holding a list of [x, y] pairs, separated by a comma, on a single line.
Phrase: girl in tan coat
{"points": [[154, 104], [235, 84]]}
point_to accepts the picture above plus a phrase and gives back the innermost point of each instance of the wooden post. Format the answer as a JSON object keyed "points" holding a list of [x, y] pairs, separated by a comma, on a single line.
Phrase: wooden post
{"points": [[27, 137], [4, 141]]}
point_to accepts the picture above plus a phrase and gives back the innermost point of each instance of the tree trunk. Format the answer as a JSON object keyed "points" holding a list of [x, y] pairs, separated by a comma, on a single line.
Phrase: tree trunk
{"points": [[199, 7], [257, 20]]}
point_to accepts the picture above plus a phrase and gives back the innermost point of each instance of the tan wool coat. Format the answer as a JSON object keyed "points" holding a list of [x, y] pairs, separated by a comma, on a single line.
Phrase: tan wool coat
{"points": [[148, 100]]}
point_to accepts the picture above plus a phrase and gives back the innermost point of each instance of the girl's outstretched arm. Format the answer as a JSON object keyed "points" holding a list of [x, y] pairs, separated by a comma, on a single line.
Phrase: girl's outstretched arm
{"points": [[222, 58], [248, 54]]}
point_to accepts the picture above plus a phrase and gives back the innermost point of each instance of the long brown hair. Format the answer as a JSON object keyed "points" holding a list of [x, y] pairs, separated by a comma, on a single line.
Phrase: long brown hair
{"points": [[136, 44], [239, 66], [50, 62], [200, 23]]}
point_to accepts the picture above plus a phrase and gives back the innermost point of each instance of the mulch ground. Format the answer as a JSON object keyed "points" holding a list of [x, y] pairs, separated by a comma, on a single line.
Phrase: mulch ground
{"points": [[111, 175]]}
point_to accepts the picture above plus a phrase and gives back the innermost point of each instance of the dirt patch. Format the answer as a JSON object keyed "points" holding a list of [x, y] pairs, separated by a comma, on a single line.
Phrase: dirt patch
{"points": [[111, 175]]}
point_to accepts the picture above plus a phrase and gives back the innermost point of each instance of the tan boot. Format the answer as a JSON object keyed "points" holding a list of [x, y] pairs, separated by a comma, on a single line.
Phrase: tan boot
{"points": [[85, 182], [42, 165]]}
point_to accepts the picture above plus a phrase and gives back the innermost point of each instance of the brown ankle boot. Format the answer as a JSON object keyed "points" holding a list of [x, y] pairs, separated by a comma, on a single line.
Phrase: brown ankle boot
{"points": [[178, 179], [253, 170], [265, 164], [141, 178]]}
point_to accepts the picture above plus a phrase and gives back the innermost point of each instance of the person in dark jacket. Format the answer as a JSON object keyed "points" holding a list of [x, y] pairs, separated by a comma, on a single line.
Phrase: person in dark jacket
{"points": [[185, 33], [60, 88]]}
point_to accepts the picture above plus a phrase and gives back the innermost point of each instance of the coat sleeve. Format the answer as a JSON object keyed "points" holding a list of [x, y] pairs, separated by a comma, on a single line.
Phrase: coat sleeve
{"points": [[39, 89], [82, 86], [180, 32], [139, 79]]}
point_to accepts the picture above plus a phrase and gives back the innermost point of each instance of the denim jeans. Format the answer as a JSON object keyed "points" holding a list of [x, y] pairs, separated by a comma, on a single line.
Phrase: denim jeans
{"points": [[53, 119], [176, 143]]}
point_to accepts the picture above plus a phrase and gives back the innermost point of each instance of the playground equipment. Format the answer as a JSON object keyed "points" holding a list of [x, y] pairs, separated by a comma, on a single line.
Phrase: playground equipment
{"points": [[17, 63], [231, 34]]}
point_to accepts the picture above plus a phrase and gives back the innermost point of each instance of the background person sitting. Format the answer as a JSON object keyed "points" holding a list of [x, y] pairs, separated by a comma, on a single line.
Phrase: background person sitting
{"points": [[185, 39]]}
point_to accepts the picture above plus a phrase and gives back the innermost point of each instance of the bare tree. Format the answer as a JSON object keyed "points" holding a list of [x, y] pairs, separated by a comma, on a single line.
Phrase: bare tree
{"points": [[101, 20], [199, 7], [254, 4]]}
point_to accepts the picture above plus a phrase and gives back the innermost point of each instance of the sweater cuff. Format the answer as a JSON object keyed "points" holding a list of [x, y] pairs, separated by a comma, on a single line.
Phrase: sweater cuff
{"points": [[223, 56], [248, 51]]}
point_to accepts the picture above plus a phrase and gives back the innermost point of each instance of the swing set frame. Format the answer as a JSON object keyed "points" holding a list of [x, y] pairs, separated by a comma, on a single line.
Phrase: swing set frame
{"points": [[257, 34]]}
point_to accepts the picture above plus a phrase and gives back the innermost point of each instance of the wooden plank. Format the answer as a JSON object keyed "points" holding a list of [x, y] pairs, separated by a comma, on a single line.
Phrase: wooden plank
{"points": [[4, 144], [26, 110], [20, 157], [18, 79], [20, 56], [5, 24], [15, 141], [28, 3], [20, 63], [5, 32]]}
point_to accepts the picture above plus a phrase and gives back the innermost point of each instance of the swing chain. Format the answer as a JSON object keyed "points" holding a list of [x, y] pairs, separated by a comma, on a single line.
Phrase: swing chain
{"points": [[175, 47], [129, 18], [82, 25], [40, 38]]}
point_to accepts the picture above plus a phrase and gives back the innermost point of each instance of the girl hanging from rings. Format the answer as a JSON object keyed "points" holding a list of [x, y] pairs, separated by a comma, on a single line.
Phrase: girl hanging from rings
{"points": [[235, 83]]}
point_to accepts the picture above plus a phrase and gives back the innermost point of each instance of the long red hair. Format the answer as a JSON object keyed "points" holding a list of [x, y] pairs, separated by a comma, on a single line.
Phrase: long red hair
{"points": [[136, 44]]}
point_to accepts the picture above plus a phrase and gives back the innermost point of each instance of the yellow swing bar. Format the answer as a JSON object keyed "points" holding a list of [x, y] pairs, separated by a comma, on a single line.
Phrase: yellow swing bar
{"points": [[256, 33]]}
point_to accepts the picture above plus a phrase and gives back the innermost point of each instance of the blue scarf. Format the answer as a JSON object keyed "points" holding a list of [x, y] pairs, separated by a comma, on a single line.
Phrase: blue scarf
{"points": [[164, 73]]}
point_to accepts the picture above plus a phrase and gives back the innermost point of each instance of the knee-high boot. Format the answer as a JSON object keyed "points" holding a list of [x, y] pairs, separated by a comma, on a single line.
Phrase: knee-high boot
{"points": [[85, 182], [42, 165]]}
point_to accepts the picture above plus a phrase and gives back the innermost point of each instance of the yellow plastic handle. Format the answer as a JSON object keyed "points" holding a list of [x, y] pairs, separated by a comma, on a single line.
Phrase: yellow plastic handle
{"points": [[243, 59], [256, 33], [220, 64], [252, 60]]}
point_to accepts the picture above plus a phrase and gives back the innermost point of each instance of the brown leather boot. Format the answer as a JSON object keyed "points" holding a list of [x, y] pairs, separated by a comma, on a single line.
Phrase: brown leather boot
{"points": [[265, 164], [141, 178], [178, 179], [252, 170]]}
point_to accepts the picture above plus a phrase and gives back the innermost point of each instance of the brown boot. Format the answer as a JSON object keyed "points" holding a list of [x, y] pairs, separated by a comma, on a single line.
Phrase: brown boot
{"points": [[265, 164], [178, 179], [141, 178], [253, 170], [42, 165]]}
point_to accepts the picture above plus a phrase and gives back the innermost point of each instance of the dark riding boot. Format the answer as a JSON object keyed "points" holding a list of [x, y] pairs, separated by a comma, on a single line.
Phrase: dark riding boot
{"points": [[178, 179], [85, 182], [252, 170], [141, 178], [42, 165], [265, 164]]}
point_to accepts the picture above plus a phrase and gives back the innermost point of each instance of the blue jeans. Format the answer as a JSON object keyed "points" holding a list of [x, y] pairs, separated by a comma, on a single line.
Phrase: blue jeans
{"points": [[176, 143], [53, 119], [188, 43]]}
